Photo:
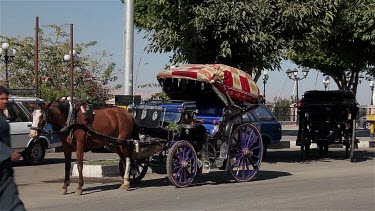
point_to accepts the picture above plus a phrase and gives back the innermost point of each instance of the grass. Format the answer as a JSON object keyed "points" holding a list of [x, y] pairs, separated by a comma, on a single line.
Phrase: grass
{"points": [[102, 162]]}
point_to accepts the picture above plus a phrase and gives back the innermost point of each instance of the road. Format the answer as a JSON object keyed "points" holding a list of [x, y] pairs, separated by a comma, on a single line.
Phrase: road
{"points": [[283, 183]]}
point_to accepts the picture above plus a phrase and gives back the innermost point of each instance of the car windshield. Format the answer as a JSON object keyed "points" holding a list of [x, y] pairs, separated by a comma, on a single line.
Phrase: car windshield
{"points": [[172, 117], [263, 114]]}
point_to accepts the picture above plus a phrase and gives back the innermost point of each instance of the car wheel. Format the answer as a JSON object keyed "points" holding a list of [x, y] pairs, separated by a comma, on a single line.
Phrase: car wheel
{"points": [[35, 153]]}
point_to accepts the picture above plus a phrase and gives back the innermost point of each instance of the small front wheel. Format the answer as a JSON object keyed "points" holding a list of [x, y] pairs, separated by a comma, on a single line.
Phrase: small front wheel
{"points": [[182, 164], [138, 169], [245, 152]]}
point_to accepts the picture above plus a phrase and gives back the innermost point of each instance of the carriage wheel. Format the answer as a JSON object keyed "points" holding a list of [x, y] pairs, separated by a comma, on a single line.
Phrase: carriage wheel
{"points": [[352, 143], [182, 164], [305, 148], [245, 153], [138, 170]]}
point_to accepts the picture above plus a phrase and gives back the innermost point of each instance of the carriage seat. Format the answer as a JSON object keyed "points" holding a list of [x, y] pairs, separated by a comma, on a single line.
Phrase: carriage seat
{"points": [[210, 118]]}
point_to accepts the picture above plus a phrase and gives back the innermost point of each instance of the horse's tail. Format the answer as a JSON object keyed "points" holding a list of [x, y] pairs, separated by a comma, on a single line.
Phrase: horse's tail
{"points": [[135, 134]]}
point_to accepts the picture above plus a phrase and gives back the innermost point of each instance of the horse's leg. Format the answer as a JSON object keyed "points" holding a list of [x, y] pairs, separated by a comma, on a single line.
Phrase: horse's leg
{"points": [[68, 158], [126, 184], [124, 156], [79, 154]]}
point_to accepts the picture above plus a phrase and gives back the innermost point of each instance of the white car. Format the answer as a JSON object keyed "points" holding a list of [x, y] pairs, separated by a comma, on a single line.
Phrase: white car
{"points": [[19, 116]]}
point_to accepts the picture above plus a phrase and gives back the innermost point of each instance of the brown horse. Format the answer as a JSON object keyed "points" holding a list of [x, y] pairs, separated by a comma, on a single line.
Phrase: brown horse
{"points": [[77, 135]]}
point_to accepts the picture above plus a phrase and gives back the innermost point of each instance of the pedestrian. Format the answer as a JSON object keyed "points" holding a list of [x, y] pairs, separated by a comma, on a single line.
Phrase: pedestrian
{"points": [[9, 199]]}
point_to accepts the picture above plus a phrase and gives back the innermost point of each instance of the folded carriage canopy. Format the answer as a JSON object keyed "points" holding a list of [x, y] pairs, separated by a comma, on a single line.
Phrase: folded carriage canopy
{"points": [[329, 105], [208, 83]]}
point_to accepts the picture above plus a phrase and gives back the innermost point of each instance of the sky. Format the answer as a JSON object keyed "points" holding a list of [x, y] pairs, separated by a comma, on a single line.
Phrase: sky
{"points": [[103, 21]]}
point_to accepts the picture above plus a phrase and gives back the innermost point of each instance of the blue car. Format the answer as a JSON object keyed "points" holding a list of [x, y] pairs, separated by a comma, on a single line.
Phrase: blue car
{"points": [[269, 127]]}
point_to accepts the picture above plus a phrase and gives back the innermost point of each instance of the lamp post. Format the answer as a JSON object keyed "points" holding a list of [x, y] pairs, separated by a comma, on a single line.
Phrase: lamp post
{"points": [[68, 60], [265, 79], [326, 83], [372, 85], [8, 55], [293, 74]]}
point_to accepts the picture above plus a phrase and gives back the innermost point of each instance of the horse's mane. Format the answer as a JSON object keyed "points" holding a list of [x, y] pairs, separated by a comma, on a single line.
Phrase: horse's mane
{"points": [[64, 107]]}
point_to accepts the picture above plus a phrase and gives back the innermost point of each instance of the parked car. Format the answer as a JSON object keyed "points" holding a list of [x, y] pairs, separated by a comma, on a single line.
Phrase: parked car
{"points": [[363, 123], [19, 116], [269, 127]]}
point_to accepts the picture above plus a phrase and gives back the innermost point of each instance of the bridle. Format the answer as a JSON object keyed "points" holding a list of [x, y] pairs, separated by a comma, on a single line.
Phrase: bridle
{"points": [[45, 115]]}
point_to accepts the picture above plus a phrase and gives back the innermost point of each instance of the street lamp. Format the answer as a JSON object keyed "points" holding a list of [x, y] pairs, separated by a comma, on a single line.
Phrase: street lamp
{"points": [[372, 85], [326, 83], [265, 79], [68, 60], [8, 55], [293, 74]]}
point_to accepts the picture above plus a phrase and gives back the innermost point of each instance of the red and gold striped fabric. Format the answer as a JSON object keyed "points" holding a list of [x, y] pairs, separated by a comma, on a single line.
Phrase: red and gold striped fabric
{"points": [[237, 83]]}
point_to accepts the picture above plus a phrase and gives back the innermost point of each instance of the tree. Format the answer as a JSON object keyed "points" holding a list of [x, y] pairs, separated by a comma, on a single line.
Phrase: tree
{"points": [[346, 48], [92, 73], [251, 35]]}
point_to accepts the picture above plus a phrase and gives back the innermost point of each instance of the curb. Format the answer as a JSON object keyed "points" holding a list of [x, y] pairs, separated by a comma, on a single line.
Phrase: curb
{"points": [[96, 171]]}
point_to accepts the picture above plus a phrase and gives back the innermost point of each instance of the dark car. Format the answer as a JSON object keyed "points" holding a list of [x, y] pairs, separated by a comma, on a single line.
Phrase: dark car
{"points": [[269, 127]]}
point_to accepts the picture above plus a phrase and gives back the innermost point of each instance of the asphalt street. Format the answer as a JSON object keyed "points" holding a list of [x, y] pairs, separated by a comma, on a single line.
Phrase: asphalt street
{"points": [[284, 182]]}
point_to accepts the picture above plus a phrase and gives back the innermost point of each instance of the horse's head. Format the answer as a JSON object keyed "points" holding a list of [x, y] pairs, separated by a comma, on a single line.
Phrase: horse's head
{"points": [[55, 113], [39, 121]]}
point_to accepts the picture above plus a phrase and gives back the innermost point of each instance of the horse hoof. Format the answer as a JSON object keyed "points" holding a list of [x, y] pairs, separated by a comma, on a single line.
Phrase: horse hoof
{"points": [[78, 192], [126, 187], [63, 191]]}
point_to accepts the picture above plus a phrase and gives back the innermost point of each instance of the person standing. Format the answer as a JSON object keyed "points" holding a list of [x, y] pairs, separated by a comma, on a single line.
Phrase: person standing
{"points": [[9, 199]]}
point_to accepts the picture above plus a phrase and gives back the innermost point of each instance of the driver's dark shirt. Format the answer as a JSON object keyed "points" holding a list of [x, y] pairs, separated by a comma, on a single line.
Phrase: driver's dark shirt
{"points": [[5, 147]]}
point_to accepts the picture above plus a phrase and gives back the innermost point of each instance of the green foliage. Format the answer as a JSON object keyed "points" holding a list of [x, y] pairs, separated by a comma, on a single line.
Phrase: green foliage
{"points": [[91, 74], [160, 96], [172, 126], [251, 35], [283, 102], [345, 48]]}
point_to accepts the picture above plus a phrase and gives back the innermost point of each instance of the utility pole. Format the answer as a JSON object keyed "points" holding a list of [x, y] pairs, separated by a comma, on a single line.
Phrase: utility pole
{"points": [[128, 46]]}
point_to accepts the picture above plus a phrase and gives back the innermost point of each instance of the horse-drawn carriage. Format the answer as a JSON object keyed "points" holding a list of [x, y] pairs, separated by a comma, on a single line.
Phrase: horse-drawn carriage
{"points": [[183, 145], [327, 117]]}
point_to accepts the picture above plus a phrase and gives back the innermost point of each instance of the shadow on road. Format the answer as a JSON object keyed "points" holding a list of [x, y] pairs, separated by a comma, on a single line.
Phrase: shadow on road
{"points": [[212, 178], [47, 161]]}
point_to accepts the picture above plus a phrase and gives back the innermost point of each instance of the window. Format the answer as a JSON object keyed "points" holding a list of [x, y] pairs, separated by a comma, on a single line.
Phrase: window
{"points": [[16, 114], [263, 114], [248, 118]]}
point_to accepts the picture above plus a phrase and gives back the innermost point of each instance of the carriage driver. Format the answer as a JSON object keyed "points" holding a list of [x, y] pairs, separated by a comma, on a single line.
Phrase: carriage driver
{"points": [[9, 199]]}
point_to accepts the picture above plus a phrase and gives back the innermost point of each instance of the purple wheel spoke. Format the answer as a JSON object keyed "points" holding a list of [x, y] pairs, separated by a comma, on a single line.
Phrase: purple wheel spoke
{"points": [[248, 141], [185, 175], [253, 140], [252, 163], [257, 147], [238, 167]]}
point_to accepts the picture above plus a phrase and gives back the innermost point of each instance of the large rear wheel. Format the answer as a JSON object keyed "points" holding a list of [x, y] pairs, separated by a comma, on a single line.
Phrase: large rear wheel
{"points": [[245, 152], [182, 164]]}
